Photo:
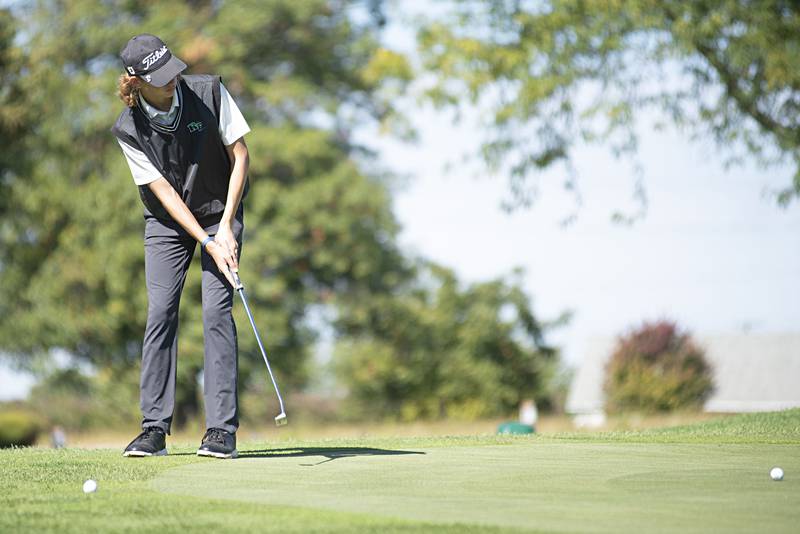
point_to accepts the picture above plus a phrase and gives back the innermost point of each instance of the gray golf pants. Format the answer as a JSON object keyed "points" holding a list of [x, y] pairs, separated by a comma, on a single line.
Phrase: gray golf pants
{"points": [[168, 254]]}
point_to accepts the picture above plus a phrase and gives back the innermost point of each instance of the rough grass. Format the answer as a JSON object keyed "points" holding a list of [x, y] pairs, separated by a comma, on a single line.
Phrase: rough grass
{"points": [[772, 427]]}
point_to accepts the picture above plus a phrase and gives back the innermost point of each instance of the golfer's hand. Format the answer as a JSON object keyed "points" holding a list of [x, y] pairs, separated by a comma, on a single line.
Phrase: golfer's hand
{"points": [[225, 238], [224, 260]]}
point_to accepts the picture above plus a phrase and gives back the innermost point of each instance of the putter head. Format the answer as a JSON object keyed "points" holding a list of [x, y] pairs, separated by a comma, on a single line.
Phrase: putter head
{"points": [[280, 419]]}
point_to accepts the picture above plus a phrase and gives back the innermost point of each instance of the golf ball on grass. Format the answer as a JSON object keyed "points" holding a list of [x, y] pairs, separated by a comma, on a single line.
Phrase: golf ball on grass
{"points": [[776, 473], [90, 486]]}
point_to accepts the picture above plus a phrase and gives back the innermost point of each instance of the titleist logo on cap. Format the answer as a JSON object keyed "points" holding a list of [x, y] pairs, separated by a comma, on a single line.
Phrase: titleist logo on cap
{"points": [[155, 56], [148, 57]]}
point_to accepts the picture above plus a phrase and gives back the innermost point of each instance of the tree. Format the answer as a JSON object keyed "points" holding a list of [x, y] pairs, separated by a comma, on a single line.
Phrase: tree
{"points": [[13, 124], [71, 262], [657, 368], [434, 349], [558, 73]]}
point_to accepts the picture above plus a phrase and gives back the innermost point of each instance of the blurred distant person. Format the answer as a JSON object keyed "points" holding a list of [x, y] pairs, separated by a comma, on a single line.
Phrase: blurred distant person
{"points": [[183, 138], [528, 414], [58, 437]]}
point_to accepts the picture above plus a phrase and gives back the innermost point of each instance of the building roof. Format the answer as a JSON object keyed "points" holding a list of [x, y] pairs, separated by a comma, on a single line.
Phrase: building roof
{"points": [[752, 373]]}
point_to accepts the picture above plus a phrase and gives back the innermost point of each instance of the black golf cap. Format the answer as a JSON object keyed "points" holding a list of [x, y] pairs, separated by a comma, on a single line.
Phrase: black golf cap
{"points": [[147, 57]]}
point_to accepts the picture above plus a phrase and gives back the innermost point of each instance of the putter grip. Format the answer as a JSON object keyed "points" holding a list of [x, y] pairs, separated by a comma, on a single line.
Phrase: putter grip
{"points": [[237, 282]]}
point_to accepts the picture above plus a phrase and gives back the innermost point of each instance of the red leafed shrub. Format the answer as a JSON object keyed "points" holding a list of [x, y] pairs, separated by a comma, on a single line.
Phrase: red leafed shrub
{"points": [[657, 368]]}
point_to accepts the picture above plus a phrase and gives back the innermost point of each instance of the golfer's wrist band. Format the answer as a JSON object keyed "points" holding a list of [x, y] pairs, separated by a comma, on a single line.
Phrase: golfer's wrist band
{"points": [[206, 241]]}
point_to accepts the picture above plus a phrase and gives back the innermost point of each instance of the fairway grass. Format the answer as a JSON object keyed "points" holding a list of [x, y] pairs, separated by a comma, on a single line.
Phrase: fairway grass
{"points": [[709, 477]]}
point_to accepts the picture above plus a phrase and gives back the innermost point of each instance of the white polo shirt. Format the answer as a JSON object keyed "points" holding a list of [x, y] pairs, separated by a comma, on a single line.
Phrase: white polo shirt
{"points": [[232, 126]]}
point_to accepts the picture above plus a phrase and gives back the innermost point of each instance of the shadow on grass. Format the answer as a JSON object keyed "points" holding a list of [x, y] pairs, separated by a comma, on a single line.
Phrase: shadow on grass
{"points": [[330, 453]]}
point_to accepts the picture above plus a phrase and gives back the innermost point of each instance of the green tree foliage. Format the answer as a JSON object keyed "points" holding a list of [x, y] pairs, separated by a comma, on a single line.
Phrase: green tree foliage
{"points": [[18, 427], [318, 226], [12, 114], [71, 399], [558, 73], [71, 257], [657, 368], [435, 349]]}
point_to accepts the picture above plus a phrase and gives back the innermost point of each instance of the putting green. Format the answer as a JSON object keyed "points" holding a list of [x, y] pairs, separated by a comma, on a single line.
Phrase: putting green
{"points": [[535, 485]]}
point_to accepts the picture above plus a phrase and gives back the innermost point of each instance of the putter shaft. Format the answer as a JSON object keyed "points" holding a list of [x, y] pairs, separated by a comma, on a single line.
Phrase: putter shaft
{"points": [[281, 418]]}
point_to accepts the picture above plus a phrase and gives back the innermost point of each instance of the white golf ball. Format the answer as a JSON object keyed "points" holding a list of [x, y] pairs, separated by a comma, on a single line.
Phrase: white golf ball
{"points": [[90, 486], [776, 473]]}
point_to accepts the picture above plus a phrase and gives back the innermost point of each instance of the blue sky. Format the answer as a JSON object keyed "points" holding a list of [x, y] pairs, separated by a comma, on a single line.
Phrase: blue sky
{"points": [[714, 252]]}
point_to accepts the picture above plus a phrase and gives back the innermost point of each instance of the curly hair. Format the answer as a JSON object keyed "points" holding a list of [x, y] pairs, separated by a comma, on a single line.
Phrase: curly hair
{"points": [[128, 89]]}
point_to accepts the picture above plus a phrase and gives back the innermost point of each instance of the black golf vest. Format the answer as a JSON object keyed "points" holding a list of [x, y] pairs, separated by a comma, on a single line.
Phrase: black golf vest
{"points": [[189, 153]]}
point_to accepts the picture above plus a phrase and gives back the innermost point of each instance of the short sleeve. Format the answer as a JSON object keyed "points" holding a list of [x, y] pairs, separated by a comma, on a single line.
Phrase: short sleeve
{"points": [[232, 125], [142, 169]]}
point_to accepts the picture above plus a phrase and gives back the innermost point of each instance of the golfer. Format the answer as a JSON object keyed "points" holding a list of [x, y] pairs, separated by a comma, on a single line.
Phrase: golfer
{"points": [[183, 138]]}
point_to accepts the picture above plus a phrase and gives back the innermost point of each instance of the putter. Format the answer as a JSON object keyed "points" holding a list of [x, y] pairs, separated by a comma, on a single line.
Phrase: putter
{"points": [[280, 419]]}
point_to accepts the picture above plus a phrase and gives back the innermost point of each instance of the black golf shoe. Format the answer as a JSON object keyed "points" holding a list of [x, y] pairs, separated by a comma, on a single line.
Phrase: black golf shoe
{"points": [[151, 442], [219, 444]]}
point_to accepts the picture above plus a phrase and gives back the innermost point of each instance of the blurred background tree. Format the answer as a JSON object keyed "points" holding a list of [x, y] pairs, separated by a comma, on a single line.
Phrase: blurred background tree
{"points": [[71, 261], [435, 349], [657, 368], [319, 230], [557, 74]]}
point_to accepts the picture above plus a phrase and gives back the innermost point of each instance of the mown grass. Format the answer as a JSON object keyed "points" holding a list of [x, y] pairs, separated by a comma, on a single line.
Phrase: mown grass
{"points": [[42, 487], [42, 493]]}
